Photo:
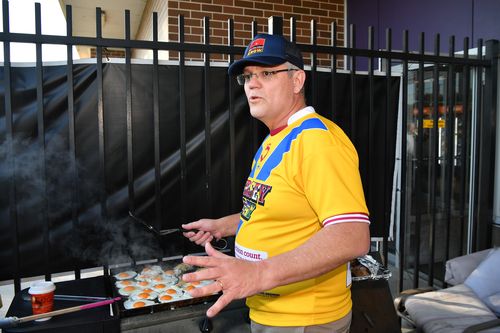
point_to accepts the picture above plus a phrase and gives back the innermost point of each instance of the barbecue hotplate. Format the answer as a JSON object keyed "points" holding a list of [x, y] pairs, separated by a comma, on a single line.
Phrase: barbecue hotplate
{"points": [[154, 287]]}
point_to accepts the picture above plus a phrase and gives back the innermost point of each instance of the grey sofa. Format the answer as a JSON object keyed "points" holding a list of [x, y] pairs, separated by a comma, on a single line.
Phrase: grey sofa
{"points": [[453, 309]]}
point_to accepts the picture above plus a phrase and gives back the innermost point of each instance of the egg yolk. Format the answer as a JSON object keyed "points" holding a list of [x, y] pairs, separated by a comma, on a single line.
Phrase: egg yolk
{"points": [[129, 288], [195, 283], [171, 291], [143, 283], [169, 272], [143, 295], [122, 275], [160, 285], [139, 304], [166, 298], [126, 283], [189, 288], [148, 290]]}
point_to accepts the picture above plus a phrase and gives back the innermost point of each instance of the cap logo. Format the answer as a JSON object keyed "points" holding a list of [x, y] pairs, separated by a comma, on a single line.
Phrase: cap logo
{"points": [[257, 46]]}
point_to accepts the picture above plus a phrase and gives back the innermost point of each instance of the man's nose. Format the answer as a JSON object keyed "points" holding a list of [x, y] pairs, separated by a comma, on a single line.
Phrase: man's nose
{"points": [[253, 82]]}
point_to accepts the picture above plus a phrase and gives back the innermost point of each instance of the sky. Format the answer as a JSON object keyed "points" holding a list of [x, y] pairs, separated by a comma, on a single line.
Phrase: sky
{"points": [[22, 20]]}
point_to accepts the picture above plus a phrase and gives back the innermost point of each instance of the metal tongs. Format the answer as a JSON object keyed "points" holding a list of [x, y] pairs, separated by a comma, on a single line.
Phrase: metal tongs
{"points": [[219, 244], [153, 229]]}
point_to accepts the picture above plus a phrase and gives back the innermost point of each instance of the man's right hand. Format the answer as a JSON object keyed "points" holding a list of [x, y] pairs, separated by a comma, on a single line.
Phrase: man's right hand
{"points": [[205, 230]]}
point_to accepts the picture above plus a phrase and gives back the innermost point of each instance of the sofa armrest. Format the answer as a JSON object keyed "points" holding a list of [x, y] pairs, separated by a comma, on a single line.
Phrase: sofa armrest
{"points": [[399, 301], [459, 268], [483, 326]]}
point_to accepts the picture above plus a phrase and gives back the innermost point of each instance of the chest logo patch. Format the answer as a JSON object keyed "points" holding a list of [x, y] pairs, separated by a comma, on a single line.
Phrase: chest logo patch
{"points": [[254, 194]]}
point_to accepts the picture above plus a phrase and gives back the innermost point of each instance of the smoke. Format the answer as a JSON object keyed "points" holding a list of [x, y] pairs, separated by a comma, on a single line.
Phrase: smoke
{"points": [[113, 242], [45, 189]]}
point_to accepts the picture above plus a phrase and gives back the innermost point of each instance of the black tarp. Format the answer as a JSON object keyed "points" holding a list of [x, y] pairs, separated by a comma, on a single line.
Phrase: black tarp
{"points": [[46, 201]]}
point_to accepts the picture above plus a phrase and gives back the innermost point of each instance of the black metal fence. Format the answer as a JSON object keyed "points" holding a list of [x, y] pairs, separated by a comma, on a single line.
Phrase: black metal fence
{"points": [[446, 105]]}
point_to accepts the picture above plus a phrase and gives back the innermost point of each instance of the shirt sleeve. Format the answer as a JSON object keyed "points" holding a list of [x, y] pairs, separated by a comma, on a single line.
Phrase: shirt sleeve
{"points": [[332, 184]]}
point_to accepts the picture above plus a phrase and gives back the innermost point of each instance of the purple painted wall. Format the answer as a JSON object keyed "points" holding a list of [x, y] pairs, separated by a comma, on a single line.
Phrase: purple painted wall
{"points": [[460, 18]]}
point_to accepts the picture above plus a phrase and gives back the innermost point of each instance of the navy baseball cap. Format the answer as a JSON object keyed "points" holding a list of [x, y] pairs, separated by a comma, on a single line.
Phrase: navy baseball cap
{"points": [[269, 50]]}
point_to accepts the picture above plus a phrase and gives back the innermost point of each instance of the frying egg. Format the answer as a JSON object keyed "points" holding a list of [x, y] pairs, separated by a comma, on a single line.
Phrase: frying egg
{"points": [[143, 284], [165, 298], [169, 272], [160, 287], [130, 304], [157, 279], [128, 290], [142, 295], [173, 291], [143, 277], [124, 283], [152, 270], [125, 275], [169, 279], [189, 287], [170, 295]]}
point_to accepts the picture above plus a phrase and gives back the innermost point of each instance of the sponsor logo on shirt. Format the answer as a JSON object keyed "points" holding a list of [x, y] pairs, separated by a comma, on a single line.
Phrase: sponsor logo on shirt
{"points": [[248, 254], [254, 193]]}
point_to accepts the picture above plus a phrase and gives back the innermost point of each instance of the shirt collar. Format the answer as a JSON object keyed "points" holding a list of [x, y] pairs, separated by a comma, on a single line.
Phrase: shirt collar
{"points": [[301, 113]]}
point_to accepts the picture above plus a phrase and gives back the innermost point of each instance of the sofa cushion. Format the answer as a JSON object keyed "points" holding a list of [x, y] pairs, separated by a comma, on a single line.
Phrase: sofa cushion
{"points": [[459, 268], [448, 310], [484, 280]]}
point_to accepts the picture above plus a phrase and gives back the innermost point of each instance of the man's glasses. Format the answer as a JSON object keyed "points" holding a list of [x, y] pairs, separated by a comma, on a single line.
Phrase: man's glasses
{"points": [[264, 75]]}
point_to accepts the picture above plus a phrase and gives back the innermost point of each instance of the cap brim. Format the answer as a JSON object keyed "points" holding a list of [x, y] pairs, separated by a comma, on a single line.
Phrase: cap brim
{"points": [[237, 67]]}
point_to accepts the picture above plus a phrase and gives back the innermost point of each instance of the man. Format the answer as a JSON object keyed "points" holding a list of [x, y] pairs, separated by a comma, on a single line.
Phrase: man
{"points": [[304, 214]]}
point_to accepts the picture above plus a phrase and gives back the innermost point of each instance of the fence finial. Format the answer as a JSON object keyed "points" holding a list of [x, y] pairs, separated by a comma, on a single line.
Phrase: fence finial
{"points": [[275, 25]]}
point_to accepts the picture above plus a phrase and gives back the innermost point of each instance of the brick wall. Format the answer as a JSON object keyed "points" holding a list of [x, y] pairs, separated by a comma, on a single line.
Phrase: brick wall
{"points": [[243, 12]]}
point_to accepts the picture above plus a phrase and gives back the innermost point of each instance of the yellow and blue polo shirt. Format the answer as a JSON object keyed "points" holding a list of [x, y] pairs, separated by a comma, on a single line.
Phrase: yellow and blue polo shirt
{"points": [[303, 178]]}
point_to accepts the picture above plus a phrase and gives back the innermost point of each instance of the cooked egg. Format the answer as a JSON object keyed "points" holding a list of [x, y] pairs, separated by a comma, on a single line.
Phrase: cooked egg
{"points": [[169, 272], [157, 279], [130, 304], [143, 284], [125, 275], [159, 287], [143, 277], [165, 298], [142, 295], [174, 291], [189, 287], [124, 283], [169, 279], [152, 270], [170, 295], [128, 290]]}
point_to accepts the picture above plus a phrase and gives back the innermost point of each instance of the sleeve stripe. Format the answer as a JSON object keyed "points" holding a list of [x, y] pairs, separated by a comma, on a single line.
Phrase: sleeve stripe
{"points": [[353, 217]]}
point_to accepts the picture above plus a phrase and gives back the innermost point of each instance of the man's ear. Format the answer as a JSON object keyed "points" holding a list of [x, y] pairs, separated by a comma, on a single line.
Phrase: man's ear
{"points": [[299, 79]]}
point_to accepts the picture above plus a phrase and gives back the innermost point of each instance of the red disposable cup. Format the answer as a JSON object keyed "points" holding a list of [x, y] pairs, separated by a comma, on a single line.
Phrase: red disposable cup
{"points": [[42, 297]]}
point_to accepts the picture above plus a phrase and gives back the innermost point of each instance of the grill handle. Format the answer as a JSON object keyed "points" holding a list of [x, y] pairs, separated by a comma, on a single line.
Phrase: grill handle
{"points": [[206, 325]]}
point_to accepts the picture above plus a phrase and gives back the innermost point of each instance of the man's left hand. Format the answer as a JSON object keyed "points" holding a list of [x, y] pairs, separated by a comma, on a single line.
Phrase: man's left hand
{"points": [[236, 278]]}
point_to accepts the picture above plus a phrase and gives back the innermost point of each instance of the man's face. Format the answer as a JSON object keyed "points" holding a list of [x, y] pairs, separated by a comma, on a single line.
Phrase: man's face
{"points": [[270, 98]]}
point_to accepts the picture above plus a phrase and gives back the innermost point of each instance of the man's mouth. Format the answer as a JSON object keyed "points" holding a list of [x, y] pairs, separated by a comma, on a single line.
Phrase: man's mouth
{"points": [[254, 98]]}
